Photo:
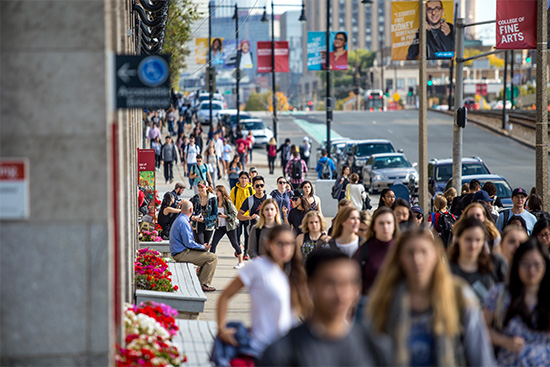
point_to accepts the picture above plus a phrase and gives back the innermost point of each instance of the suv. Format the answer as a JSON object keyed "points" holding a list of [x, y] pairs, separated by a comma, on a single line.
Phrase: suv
{"points": [[357, 154], [504, 191], [441, 170]]}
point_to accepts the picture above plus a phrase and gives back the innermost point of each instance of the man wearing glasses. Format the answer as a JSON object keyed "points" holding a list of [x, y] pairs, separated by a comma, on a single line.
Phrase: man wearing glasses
{"points": [[440, 36], [252, 205]]}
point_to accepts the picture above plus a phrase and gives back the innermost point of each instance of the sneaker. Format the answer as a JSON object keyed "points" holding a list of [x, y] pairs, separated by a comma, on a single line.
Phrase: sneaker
{"points": [[171, 180], [238, 266], [245, 257]]}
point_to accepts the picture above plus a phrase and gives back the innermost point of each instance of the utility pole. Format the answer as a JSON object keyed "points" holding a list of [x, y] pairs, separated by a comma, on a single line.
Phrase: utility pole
{"points": [[459, 101], [237, 67], [382, 65], [209, 67], [504, 96], [328, 105], [273, 78], [512, 78], [452, 63], [423, 194], [542, 103]]}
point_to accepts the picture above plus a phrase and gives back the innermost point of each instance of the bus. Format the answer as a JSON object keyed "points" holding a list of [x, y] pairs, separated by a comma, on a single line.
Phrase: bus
{"points": [[375, 100]]}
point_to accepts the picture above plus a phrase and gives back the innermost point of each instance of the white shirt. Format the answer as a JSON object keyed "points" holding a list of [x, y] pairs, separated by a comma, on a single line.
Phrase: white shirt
{"points": [[219, 147], [348, 248], [271, 310], [192, 151], [221, 221]]}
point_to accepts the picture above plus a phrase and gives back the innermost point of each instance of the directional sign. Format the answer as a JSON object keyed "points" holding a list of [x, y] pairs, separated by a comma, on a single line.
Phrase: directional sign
{"points": [[14, 189], [142, 81]]}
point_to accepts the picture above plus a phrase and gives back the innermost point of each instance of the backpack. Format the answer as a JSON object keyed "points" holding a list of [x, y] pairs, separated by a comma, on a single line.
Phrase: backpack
{"points": [[241, 148], [296, 172], [272, 151], [325, 171], [445, 226], [336, 190]]}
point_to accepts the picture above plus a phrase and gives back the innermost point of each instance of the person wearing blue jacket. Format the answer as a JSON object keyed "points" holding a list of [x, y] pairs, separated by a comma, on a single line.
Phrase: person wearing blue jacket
{"points": [[183, 247], [325, 167]]}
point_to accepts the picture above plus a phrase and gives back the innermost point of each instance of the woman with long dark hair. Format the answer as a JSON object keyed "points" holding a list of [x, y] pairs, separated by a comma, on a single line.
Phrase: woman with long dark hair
{"points": [[519, 313], [205, 213], [277, 286], [313, 200], [470, 259], [432, 317], [387, 198], [227, 224], [300, 207], [541, 231], [403, 214], [167, 214], [343, 181], [235, 168]]}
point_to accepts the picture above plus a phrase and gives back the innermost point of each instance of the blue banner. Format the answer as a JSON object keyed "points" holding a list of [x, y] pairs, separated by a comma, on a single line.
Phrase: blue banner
{"points": [[316, 48]]}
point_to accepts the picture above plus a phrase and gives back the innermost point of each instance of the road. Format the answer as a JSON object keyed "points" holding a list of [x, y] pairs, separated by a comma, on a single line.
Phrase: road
{"points": [[502, 155]]}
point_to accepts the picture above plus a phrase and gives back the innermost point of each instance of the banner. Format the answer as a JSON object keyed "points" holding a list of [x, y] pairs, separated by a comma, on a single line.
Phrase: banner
{"points": [[146, 176], [264, 56], [516, 24], [233, 54], [316, 49], [217, 51], [201, 49], [440, 32]]}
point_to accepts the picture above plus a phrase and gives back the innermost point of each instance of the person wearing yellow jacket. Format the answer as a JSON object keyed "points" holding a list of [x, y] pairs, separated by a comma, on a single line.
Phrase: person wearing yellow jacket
{"points": [[242, 190]]}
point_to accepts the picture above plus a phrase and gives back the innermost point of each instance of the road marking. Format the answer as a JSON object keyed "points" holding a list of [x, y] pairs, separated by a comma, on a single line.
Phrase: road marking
{"points": [[390, 131], [318, 132], [373, 122]]}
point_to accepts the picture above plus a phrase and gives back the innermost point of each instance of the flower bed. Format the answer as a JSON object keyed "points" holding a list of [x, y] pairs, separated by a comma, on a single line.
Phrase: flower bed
{"points": [[151, 272], [149, 330], [150, 236]]}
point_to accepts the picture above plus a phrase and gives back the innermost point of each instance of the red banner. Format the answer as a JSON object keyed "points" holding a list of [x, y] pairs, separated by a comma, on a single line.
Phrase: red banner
{"points": [[264, 57], [516, 24]]}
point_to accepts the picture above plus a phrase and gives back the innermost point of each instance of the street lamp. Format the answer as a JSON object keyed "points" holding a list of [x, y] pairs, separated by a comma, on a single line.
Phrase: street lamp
{"points": [[273, 78]]}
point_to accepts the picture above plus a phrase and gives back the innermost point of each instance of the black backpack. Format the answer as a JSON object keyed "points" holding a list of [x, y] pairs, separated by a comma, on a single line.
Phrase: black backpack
{"points": [[445, 227], [296, 173]]}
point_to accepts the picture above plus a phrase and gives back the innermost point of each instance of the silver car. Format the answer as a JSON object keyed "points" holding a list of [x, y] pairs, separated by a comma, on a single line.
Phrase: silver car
{"points": [[383, 170]]}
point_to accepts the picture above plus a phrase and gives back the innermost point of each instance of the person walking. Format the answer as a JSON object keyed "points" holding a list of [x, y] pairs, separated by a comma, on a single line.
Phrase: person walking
{"points": [[227, 150], [284, 149], [184, 249], [227, 224], [295, 216], [432, 318], [271, 154], [296, 169], [157, 146], [344, 233], [480, 212], [242, 149], [269, 218], [200, 172], [153, 134], [518, 312], [205, 213], [170, 118], [512, 237], [313, 232], [167, 214], [190, 152], [325, 167], [441, 220], [282, 197], [251, 141], [212, 162], [342, 182], [168, 156], [402, 210], [313, 200], [356, 192], [518, 198], [235, 169], [238, 194], [387, 198], [278, 298], [305, 150]]}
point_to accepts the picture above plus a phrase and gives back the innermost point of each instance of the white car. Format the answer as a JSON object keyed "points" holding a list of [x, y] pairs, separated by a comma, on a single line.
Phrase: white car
{"points": [[261, 133], [203, 112]]}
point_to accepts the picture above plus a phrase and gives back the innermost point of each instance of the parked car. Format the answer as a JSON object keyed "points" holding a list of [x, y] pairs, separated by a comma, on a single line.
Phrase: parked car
{"points": [[360, 151], [471, 104], [261, 133], [383, 170], [441, 170], [203, 113], [229, 117], [504, 190], [336, 148], [499, 105]]}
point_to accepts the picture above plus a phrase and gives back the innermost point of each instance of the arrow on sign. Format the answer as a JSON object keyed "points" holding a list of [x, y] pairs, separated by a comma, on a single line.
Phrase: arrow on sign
{"points": [[125, 72]]}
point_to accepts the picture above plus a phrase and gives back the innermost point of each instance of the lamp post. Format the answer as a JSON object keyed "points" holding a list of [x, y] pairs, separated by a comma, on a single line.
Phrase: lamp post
{"points": [[237, 66], [273, 77]]}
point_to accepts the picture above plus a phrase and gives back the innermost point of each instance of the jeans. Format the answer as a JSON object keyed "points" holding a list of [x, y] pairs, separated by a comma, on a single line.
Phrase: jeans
{"points": [[191, 181], [232, 235], [283, 164], [168, 174], [243, 160], [271, 164], [157, 161], [171, 127], [243, 225], [201, 235]]}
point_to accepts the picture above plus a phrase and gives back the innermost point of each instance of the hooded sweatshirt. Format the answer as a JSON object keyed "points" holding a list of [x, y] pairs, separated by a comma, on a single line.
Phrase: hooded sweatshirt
{"points": [[239, 194]]}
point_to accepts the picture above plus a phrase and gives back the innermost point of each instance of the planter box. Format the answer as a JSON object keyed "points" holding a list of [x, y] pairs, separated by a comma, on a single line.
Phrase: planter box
{"points": [[162, 246], [188, 300]]}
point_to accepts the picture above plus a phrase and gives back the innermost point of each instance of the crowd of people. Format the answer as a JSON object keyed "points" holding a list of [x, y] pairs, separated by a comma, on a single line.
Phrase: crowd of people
{"points": [[465, 284]]}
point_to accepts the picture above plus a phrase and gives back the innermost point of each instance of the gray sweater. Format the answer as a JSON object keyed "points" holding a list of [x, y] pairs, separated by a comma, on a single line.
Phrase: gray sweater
{"points": [[168, 153]]}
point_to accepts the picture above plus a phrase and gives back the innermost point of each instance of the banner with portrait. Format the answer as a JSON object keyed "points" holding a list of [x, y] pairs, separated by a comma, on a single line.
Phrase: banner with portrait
{"points": [[241, 53], [317, 46], [440, 32]]}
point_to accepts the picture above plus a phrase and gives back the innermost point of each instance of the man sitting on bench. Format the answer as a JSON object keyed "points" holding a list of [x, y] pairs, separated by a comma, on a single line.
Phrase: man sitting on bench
{"points": [[184, 249]]}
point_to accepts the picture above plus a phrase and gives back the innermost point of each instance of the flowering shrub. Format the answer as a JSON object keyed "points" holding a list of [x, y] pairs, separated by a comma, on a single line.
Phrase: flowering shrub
{"points": [[150, 236], [151, 272], [149, 329]]}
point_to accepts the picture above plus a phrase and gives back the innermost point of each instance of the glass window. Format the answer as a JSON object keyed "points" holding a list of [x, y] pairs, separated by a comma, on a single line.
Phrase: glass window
{"points": [[389, 84], [354, 28], [411, 82], [391, 162], [400, 83], [253, 125], [366, 150]]}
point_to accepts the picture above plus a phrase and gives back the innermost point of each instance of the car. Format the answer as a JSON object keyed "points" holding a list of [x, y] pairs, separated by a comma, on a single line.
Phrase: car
{"points": [[261, 133], [229, 117], [471, 104], [441, 170], [203, 112], [504, 190], [337, 146], [499, 105], [383, 170], [360, 151]]}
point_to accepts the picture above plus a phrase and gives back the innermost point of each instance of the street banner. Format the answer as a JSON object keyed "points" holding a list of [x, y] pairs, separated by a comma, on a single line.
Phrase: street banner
{"points": [[338, 48], [201, 49], [264, 57], [440, 32], [516, 24], [146, 176], [241, 53], [217, 51]]}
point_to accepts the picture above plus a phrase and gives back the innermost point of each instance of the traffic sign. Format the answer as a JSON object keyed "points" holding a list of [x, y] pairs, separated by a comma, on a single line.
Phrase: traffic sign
{"points": [[142, 81], [481, 89], [14, 189], [396, 97], [516, 92]]}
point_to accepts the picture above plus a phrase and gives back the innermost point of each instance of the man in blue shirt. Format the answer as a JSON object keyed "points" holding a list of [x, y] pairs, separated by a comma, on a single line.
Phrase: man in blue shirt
{"points": [[184, 248], [518, 198], [325, 167]]}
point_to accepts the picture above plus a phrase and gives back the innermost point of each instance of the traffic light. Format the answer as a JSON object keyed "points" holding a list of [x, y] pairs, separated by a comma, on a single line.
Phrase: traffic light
{"points": [[411, 91], [430, 81], [528, 59], [310, 103], [387, 92]]}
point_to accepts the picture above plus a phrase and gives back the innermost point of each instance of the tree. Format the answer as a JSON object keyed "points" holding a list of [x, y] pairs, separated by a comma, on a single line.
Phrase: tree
{"points": [[181, 15], [257, 102]]}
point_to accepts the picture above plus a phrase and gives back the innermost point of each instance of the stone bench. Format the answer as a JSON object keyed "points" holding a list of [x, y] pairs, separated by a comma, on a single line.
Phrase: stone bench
{"points": [[188, 300], [162, 246], [196, 339]]}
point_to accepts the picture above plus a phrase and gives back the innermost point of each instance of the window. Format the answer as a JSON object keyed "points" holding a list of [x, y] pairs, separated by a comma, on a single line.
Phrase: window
{"points": [[389, 84], [400, 83], [411, 82], [391, 162], [314, 87], [354, 28]]}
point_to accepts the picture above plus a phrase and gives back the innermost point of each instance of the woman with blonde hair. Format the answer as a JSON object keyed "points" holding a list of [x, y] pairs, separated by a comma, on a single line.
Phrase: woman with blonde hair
{"points": [[344, 234], [271, 154], [313, 232], [433, 318], [450, 194], [269, 218], [478, 211]]}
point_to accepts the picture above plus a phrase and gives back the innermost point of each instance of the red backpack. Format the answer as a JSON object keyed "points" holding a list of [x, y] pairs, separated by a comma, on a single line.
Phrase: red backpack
{"points": [[272, 151], [241, 147]]}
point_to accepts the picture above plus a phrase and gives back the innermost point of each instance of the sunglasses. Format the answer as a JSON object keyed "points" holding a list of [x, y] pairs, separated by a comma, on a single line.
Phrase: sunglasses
{"points": [[419, 216], [281, 182], [259, 186], [201, 186]]}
